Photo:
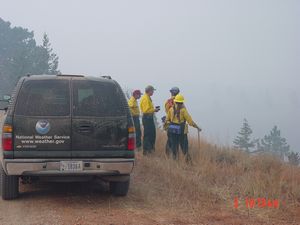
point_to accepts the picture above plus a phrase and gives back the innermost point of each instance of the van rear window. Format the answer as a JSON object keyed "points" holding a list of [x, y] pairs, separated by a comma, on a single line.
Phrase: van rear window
{"points": [[44, 98], [92, 98]]}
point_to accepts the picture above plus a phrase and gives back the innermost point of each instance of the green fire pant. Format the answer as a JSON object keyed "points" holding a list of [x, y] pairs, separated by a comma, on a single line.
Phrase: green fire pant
{"points": [[149, 134], [181, 140], [138, 133], [168, 144]]}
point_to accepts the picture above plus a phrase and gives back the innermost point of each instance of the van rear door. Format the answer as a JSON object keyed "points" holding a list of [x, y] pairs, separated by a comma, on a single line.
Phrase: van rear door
{"points": [[42, 119], [99, 122]]}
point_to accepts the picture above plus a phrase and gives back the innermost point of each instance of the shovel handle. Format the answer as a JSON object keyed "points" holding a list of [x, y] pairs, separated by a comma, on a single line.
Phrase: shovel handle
{"points": [[199, 139]]}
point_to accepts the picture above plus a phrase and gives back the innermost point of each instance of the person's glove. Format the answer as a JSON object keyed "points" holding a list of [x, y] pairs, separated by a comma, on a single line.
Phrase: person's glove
{"points": [[163, 119], [157, 108], [198, 128]]}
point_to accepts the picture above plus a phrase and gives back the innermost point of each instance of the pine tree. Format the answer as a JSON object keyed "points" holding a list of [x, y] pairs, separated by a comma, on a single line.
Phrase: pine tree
{"points": [[294, 158], [243, 140], [275, 143], [20, 55], [52, 58]]}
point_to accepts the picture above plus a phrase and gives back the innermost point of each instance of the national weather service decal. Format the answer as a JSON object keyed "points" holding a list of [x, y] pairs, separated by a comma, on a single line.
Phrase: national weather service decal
{"points": [[42, 127], [41, 137]]}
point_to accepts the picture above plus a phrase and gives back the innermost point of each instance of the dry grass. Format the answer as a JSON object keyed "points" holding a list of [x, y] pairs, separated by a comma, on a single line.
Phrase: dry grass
{"points": [[218, 175]]}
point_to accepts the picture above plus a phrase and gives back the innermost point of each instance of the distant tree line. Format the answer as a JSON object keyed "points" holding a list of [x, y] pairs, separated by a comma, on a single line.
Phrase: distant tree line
{"points": [[272, 143], [20, 55]]}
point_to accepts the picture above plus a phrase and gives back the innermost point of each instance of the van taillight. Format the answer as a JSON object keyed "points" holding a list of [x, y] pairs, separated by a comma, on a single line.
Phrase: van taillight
{"points": [[131, 139], [7, 143]]}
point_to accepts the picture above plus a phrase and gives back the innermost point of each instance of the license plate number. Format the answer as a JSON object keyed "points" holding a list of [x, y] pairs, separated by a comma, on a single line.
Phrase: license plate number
{"points": [[71, 166]]}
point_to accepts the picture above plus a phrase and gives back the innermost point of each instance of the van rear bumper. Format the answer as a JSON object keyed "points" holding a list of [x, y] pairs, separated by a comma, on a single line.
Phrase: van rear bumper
{"points": [[40, 167]]}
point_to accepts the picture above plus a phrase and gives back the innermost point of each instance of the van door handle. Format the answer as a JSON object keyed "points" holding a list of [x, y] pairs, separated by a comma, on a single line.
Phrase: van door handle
{"points": [[85, 128]]}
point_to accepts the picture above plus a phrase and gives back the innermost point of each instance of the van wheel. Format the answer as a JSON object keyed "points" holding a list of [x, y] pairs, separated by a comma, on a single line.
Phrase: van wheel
{"points": [[9, 185], [119, 188]]}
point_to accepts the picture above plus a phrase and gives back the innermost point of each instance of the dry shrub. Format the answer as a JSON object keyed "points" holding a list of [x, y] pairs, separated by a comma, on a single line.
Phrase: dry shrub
{"points": [[217, 175]]}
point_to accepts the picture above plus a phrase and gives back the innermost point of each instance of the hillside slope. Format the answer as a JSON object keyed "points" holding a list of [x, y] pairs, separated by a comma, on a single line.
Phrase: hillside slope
{"points": [[217, 180]]}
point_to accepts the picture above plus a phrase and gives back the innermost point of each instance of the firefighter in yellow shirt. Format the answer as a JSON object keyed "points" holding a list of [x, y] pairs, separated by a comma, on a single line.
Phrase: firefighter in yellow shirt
{"points": [[169, 104], [176, 120], [135, 112], [148, 111]]}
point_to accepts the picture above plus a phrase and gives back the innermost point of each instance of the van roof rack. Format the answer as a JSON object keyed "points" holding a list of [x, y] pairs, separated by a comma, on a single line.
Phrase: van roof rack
{"points": [[69, 75], [107, 77]]}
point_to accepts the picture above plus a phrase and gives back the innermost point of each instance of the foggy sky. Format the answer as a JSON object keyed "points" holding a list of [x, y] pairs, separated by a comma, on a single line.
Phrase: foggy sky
{"points": [[232, 59]]}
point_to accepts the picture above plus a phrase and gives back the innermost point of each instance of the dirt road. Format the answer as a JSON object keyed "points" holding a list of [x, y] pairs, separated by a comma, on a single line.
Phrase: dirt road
{"points": [[88, 203], [77, 203]]}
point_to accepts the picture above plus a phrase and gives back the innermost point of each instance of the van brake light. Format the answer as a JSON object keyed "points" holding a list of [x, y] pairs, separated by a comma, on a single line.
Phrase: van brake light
{"points": [[131, 139], [7, 143]]}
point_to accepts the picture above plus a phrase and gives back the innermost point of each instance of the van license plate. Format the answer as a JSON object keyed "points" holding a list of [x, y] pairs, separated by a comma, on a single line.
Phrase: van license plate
{"points": [[71, 166]]}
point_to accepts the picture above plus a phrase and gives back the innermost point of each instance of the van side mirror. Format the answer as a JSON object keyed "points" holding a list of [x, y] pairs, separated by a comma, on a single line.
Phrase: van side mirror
{"points": [[4, 102], [6, 98]]}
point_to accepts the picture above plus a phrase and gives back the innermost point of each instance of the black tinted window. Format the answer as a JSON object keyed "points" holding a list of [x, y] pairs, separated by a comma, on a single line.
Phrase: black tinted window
{"points": [[92, 98], [44, 98]]}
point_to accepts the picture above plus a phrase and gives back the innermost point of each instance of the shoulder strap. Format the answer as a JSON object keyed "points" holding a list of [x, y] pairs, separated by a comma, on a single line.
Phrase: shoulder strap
{"points": [[173, 113]]}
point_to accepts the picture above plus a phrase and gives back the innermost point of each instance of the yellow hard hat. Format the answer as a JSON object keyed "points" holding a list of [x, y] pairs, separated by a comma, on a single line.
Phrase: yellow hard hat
{"points": [[179, 99]]}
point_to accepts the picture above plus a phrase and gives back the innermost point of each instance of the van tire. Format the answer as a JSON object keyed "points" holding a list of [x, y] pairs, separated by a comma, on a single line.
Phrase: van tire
{"points": [[119, 188], [9, 185]]}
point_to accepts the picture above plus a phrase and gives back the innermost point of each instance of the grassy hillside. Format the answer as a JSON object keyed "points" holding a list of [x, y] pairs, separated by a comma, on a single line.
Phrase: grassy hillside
{"points": [[208, 188]]}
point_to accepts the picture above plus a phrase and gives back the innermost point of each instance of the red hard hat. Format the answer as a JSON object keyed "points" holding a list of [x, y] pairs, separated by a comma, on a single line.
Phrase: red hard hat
{"points": [[137, 92]]}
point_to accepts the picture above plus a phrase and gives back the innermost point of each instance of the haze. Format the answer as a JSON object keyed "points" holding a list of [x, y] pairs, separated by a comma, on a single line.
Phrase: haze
{"points": [[231, 59]]}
